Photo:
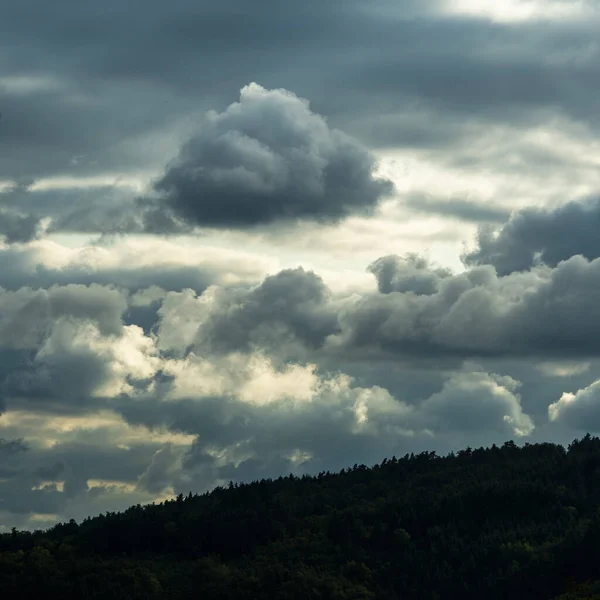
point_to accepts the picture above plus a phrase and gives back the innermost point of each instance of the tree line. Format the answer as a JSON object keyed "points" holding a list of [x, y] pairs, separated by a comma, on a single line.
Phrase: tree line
{"points": [[497, 522]]}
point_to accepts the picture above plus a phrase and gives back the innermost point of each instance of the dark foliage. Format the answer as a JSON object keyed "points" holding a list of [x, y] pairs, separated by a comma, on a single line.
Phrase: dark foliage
{"points": [[508, 522]]}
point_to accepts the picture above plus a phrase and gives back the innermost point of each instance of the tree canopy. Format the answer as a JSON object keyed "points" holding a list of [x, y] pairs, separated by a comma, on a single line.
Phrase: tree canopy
{"points": [[498, 522]]}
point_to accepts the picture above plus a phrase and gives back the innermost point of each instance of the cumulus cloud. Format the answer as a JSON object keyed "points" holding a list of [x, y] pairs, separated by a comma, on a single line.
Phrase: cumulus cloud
{"points": [[67, 348], [579, 410], [76, 369], [541, 313], [411, 273], [292, 308], [269, 158], [105, 366], [336, 419], [470, 401], [298, 420], [227, 368], [27, 315], [535, 235]]}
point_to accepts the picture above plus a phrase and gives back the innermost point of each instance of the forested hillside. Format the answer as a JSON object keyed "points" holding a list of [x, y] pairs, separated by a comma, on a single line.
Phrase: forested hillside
{"points": [[508, 522]]}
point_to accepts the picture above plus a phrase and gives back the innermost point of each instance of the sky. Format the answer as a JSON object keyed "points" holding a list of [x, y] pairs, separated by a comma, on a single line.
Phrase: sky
{"points": [[245, 239]]}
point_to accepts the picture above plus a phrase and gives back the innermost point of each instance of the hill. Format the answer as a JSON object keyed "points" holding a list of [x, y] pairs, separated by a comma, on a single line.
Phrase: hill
{"points": [[499, 522]]}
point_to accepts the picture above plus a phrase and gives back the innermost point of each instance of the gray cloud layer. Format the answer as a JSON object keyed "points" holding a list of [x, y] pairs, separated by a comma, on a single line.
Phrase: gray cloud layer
{"points": [[458, 209], [362, 66], [134, 369]]}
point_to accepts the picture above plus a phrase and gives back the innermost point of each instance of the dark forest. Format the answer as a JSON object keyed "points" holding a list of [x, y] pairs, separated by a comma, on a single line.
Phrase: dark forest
{"points": [[499, 522]]}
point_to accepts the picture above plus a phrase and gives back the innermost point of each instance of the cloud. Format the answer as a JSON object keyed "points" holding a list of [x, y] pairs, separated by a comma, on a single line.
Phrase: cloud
{"points": [[543, 312], [16, 227], [227, 368], [94, 366], [289, 308], [247, 431], [105, 108], [515, 11], [269, 158], [27, 315], [423, 312], [162, 471], [8, 447], [563, 368], [66, 348], [465, 210], [51, 473], [579, 410], [76, 369], [472, 400], [75, 465], [363, 67], [535, 235], [411, 273], [129, 263]]}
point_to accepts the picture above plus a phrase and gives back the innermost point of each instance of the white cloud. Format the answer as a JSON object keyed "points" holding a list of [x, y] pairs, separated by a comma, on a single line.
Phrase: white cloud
{"points": [[579, 410], [518, 11], [563, 369]]}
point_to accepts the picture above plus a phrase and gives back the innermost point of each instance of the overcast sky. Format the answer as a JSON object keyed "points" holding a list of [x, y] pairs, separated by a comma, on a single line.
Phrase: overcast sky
{"points": [[242, 239]]}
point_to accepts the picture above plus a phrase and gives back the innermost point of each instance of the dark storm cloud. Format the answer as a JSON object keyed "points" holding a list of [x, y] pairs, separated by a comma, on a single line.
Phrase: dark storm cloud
{"points": [[420, 311], [108, 209], [18, 497], [99, 459], [537, 234], [269, 158]]}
